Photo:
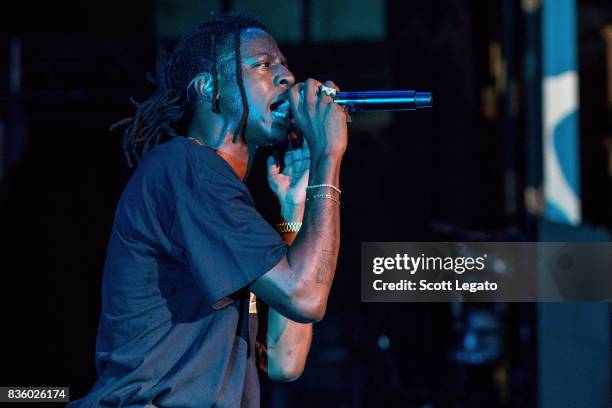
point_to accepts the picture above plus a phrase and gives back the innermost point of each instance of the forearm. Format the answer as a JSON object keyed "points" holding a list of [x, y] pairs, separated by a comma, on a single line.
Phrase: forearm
{"points": [[298, 286], [313, 255], [288, 342]]}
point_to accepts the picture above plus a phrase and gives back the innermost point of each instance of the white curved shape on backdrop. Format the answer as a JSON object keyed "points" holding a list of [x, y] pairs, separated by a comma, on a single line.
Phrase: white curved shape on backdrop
{"points": [[560, 100]]}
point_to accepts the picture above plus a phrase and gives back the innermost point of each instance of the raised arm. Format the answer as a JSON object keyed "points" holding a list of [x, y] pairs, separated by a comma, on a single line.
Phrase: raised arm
{"points": [[283, 344], [298, 286]]}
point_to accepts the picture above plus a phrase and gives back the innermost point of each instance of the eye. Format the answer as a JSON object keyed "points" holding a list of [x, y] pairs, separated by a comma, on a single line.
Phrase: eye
{"points": [[264, 64]]}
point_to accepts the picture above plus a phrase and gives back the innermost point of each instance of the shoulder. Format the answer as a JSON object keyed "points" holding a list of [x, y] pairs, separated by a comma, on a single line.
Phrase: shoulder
{"points": [[185, 171], [182, 158], [164, 170], [172, 155], [175, 162]]}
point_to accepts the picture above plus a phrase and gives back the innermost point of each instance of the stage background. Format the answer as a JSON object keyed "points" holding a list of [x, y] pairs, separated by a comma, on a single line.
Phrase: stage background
{"points": [[470, 169]]}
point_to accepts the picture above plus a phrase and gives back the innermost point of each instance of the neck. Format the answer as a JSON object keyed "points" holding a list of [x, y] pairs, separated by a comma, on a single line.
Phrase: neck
{"points": [[239, 166], [238, 155]]}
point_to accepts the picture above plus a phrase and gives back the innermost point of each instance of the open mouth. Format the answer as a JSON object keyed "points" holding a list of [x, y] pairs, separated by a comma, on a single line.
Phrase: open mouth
{"points": [[280, 109]]}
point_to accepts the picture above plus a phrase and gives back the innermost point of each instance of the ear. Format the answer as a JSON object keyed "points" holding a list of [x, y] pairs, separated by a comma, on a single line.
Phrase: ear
{"points": [[203, 85]]}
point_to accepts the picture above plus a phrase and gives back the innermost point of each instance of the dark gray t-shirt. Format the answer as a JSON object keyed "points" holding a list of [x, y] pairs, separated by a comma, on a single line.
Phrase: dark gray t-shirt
{"points": [[186, 235]]}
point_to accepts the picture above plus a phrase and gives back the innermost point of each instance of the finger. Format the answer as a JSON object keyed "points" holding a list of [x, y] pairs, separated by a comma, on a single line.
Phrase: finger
{"points": [[302, 165], [302, 181], [349, 119], [295, 158], [330, 84], [273, 166], [330, 108], [334, 107], [345, 112], [304, 152], [289, 170], [305, 148], [311, 97], [327, 99], [290, 157], [294, 98]]}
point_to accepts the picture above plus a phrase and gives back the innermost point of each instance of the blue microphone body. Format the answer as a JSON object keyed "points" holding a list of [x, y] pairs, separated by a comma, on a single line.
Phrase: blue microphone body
{"points": [[384, 100]]}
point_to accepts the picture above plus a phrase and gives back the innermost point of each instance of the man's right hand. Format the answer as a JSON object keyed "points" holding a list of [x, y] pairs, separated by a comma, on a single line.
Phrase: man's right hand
{"points": [[321, 121], [298, 286]]}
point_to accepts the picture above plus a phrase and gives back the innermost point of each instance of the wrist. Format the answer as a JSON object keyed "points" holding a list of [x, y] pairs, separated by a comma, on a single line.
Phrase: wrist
{"points": [[325, 170], [326, 155], [292, 212]]}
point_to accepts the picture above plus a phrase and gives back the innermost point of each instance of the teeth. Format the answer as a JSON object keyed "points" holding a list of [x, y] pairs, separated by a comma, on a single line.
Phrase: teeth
{"points": [[283, 107], [282, 110], [281, 115]]}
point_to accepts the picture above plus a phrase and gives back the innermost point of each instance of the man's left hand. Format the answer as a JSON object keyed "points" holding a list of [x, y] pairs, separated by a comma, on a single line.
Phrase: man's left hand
{"points": [[289, 185]]}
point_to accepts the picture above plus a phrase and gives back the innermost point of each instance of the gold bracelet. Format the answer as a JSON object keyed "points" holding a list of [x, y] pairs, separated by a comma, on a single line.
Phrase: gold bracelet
{"points": [[324, 196], [285, 227]]}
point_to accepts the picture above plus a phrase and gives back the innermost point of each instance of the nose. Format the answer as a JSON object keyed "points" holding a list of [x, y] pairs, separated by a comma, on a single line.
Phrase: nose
{"points": [[284, 77]]}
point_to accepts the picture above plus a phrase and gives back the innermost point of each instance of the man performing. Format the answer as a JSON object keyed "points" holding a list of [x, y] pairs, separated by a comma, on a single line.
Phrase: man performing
{"points": [[187, 246]]}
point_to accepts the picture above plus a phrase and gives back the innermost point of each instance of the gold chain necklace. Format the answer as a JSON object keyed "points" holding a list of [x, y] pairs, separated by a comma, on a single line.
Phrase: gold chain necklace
{"points": [[196, 141]]}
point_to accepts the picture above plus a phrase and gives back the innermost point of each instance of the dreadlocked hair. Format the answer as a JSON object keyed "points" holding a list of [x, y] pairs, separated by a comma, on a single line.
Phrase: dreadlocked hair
{"points": [[169, 110]]}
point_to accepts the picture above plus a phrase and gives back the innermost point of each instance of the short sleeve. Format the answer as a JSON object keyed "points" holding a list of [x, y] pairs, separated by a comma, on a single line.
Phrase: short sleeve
{"points": [[224, 240]]}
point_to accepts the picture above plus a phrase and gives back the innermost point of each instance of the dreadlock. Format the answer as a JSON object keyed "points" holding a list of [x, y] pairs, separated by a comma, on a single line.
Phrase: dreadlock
{"points": [[167, 113]]}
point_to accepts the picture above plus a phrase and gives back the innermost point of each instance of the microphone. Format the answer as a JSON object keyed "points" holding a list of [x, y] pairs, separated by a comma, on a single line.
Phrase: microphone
{"points": [[383, 100], [366, 101]]}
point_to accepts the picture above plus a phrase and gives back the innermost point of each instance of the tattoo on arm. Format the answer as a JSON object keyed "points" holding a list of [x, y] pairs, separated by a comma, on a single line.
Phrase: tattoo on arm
{"points": [[322, 230], [325, 267]]}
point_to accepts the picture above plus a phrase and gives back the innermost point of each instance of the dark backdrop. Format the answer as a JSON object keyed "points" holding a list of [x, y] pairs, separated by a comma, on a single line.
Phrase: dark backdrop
{"points": [[415, 176]]}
